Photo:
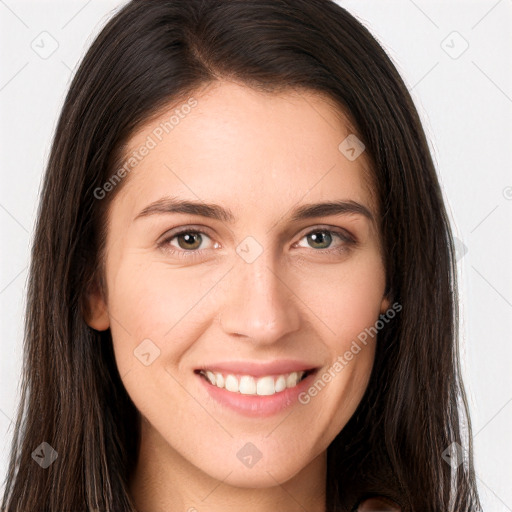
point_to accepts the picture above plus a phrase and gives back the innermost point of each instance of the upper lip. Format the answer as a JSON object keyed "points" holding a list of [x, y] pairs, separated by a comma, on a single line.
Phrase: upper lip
{"points": [[259, 369]]}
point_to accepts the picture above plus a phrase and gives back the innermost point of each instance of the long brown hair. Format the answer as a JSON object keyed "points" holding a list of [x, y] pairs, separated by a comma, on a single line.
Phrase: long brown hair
{"points": [[153, 52]]}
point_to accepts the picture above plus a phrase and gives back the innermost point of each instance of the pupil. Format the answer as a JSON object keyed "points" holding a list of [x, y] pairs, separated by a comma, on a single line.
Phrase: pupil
{"points": [[316, 237], [189, 240]]}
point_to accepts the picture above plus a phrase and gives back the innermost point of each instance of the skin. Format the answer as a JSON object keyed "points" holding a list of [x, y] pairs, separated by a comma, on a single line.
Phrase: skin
{"points": [[260, 155]]}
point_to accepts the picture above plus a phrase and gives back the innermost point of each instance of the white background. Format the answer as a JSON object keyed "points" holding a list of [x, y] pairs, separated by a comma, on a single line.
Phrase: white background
{"points": [[465, 103]]}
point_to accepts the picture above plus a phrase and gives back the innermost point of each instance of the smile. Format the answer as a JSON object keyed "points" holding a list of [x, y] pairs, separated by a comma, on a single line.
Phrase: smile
{"points": [[249, 385]]}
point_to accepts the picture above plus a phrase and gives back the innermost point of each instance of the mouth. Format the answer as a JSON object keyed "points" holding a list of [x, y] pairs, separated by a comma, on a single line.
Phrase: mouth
{"points": [[265, 385]]}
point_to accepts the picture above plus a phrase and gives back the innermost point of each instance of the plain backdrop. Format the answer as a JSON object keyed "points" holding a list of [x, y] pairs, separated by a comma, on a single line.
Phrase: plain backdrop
{"points": [[455, 57]]}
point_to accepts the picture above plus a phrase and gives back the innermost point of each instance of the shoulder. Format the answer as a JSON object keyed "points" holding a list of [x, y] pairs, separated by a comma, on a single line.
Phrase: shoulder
{"points": [[378, 504]]}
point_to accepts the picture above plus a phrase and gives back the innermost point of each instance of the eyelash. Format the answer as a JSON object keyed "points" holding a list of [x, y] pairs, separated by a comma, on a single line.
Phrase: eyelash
{"points": [[347, 240]]}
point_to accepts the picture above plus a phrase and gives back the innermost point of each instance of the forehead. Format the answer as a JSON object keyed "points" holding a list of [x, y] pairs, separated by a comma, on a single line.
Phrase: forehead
{"points": [[228, 143]]}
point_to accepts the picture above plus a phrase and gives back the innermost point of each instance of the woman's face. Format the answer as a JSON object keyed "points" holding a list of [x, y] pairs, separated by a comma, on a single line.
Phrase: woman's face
{"points": [[261, 292]]}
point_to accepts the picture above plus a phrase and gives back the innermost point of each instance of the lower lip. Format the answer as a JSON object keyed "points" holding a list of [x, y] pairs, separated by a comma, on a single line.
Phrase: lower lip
{"points": [[254, 405]]}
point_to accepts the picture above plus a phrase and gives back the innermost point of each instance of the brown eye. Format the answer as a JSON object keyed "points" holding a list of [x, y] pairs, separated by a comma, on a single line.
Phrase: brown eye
{"points": [[187, 243], [189, 240]]}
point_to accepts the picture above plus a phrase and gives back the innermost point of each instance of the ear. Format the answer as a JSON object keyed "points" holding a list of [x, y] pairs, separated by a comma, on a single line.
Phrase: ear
{"points": [[384, 305], [96, 311]]}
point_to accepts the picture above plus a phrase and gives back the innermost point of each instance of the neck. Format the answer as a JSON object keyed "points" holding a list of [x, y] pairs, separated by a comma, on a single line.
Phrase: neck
{"points": [[164, 481]]}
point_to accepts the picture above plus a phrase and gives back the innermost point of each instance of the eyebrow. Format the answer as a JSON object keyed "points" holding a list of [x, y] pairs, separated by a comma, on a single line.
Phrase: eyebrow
{"points": [[167, 205]]}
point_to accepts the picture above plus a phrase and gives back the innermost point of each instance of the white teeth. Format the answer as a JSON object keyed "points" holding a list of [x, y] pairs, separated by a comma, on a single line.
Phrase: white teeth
{"points": [[219, 378], [265, 386], [280, 383], [248, 385], [291, 380], [231, 383]]}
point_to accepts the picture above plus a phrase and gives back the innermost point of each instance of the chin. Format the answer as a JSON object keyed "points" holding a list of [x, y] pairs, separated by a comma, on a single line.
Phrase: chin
{"points": [[251, 468]]}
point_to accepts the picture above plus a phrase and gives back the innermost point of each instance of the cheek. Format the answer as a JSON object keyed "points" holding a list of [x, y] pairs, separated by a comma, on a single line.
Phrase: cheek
{"points": [[345, 298], [347, 309], [156, 302]]}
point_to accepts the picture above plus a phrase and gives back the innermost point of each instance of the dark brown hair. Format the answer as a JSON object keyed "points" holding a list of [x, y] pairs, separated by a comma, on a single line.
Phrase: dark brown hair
{"points": [[151, 53]]}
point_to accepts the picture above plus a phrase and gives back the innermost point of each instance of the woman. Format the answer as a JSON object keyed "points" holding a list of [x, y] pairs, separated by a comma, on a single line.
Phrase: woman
{"points": [[242, 289]]}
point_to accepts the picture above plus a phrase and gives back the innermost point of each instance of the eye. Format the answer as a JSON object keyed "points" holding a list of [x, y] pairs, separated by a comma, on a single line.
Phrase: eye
{"points": [[189, 240], [186, 242], [322, 238]]}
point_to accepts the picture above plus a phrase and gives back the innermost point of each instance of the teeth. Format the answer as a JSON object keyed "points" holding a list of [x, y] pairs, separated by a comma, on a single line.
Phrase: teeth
{"points": [[249, 385], [265, 386], [280, 383], [231, 383], [291, 380]]}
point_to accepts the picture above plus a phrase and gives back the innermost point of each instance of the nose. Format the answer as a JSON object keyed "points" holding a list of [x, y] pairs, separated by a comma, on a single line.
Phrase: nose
{"points": [[259, 302]]}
